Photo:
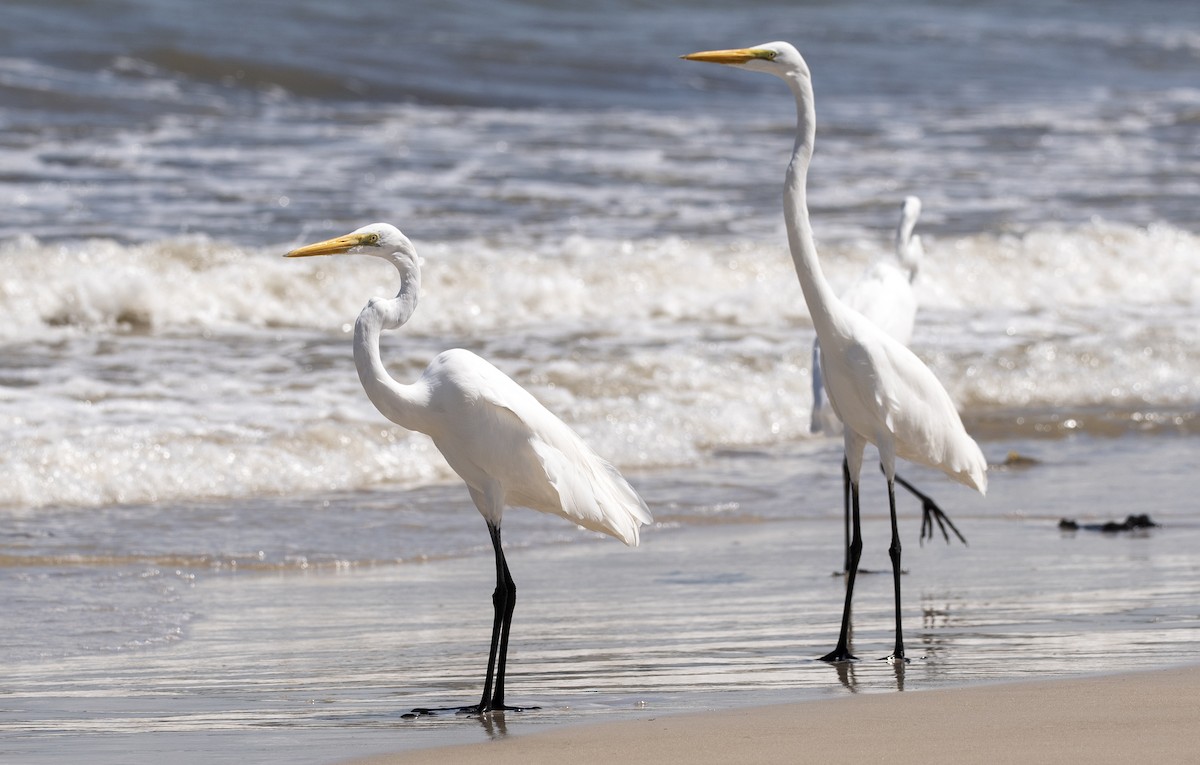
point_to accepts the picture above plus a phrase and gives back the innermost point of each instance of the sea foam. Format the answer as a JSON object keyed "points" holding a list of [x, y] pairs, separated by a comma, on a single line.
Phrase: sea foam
{"points": [[190, 368]]}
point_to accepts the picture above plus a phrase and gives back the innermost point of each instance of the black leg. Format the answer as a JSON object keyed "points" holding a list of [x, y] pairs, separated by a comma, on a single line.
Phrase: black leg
{"points": [[846, 512], [499, 607], [842, 651], [930, 514], [504, 600], [894, 553], [510, 603]]}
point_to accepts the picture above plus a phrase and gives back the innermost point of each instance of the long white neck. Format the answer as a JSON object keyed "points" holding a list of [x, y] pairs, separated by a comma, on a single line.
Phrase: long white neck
{"points": [[404, 405], [908, 247], [817, 293], [904, 240]]}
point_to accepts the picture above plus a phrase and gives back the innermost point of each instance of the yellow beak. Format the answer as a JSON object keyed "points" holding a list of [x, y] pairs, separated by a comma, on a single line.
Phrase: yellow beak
{"points": [[335, 246], [730, 56]]}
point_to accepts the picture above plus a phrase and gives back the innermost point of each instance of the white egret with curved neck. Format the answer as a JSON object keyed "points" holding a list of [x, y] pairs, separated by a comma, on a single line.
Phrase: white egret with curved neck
{"points": [[506, 446], [880, 390], [884, 294]]}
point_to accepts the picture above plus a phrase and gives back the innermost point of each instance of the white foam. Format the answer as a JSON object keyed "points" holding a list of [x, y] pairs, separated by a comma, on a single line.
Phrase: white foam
{"points": [[473, 286], [190, 368]]}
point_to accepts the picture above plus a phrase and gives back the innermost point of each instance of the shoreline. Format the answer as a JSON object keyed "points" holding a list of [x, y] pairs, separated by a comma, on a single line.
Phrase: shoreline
{"points": [[709, 620], [1146, 716]]}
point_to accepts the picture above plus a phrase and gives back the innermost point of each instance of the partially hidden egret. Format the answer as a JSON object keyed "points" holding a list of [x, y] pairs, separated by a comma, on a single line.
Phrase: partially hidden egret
{"points": [[506, 446], [880, 390], [884, 294]]}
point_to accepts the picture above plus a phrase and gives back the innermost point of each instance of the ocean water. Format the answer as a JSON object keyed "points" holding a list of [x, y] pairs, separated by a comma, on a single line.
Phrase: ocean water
{"points": [[185, 437]]}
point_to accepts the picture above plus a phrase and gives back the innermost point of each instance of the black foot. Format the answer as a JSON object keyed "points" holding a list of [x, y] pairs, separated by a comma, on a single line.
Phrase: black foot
{"points": [[431, 711], [474, 709], [932, 514], [866, 571], [841, 653]]}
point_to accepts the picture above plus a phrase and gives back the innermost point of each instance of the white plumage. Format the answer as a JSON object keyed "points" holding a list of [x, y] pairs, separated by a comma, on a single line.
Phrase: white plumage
{"points": [[884, 294], [506, 446], [498, 437], [880, 390]]}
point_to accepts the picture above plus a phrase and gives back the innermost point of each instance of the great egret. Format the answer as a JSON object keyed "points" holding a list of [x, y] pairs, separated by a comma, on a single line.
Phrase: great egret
{"points": [[507, 447], [880, 390], [884, 294]]}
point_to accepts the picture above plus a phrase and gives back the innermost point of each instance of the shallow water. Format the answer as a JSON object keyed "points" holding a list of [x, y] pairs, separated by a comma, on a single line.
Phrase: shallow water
{"points": [[210, 541], [728, 602], [598, 218]]}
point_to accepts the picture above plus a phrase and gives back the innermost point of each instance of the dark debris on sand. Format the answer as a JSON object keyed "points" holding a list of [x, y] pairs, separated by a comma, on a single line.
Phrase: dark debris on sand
{"points": [[1130, 523]]}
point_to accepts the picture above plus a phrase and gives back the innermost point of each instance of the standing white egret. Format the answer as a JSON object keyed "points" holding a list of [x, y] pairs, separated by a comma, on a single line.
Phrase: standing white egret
{"points": [[507, 447], [884, 294], [880, 390]]}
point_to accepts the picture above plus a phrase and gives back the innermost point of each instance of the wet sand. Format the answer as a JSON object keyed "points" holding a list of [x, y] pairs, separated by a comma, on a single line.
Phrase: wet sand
{"points": [[1138, 717], [723, 609]]}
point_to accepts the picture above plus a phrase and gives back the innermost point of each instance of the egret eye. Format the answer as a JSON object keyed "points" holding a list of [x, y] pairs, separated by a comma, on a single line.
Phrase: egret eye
{"points": [[372, 238]]}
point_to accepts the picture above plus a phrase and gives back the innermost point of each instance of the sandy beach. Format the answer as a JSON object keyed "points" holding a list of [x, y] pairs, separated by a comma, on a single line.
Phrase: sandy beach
{"points": [[1138, 717], [699, 646], [215, 548]]}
